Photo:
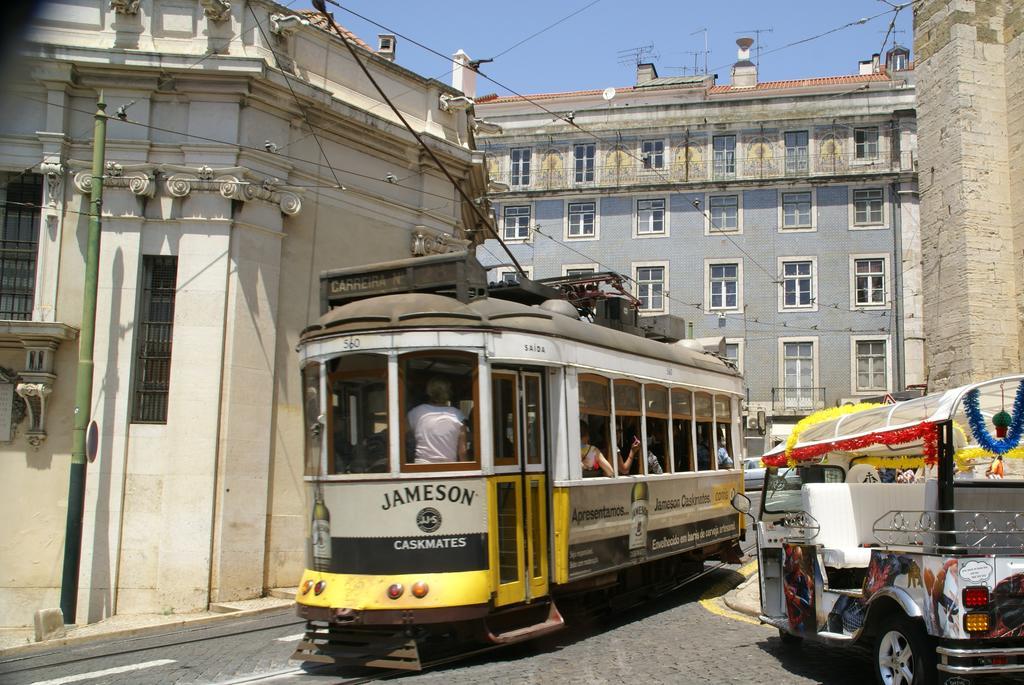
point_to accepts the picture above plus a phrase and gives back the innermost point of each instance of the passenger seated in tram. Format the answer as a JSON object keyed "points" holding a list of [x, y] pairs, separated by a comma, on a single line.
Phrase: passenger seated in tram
{"points": [[594, 462], [438, 428], [655, 447]]}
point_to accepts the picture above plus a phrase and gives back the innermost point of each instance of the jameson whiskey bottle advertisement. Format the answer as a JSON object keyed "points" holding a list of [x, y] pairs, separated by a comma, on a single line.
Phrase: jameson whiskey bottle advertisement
{"points": [[638, 518], [321, 533]]}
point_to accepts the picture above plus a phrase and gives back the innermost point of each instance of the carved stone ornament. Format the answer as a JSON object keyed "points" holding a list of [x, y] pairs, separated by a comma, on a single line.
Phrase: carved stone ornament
{"points": [[234, 183], [286, 24], [216, 10], [53, 171], [35, 395], [138, 178], [126, 7], [427, 241]]}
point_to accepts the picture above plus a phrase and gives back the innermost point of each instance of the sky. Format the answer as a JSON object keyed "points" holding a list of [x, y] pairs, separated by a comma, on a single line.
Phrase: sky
{"points": [[596, 47]]}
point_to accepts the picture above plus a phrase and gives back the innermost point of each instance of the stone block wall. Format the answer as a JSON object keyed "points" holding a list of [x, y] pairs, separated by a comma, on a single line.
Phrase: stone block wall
{"points": [[969, 143]]}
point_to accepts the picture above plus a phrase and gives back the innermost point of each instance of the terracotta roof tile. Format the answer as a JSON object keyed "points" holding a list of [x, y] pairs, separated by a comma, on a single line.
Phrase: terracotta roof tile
{"points": [[320, 21], [714, 90], [803, 83]]}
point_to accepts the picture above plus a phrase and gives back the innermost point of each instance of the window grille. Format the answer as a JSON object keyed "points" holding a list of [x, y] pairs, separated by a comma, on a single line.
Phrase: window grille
{"points": [[155, 331], [19, 245]]}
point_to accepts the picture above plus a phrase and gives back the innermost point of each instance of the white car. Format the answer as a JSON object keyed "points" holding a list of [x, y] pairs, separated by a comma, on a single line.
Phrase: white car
{"points": [[753, 473]]}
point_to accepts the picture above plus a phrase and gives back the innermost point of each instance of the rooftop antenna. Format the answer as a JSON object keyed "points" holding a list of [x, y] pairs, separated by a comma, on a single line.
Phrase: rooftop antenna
{"points": [[895, 32], [632, 57], [706, 51], [757, 44]]}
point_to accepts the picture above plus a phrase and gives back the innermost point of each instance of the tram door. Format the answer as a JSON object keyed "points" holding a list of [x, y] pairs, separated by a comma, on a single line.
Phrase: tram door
{"points": [[518, 511]]}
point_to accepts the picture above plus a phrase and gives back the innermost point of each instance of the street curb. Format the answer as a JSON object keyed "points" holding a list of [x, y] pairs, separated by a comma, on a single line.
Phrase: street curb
{"points": [[143, 631], [734, 601]]}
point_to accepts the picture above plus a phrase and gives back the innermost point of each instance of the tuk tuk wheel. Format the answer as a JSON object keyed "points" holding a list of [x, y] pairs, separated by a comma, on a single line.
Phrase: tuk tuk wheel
{"points": [[903, 653], [789, 638]]}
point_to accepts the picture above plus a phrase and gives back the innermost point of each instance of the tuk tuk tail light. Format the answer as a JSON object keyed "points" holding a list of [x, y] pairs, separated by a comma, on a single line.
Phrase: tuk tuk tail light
{"points": [[976, 597], [976, 622]]}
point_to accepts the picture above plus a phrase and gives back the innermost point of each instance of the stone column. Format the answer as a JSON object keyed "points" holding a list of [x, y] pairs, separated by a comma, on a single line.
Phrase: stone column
{"points": [[971, 234]]}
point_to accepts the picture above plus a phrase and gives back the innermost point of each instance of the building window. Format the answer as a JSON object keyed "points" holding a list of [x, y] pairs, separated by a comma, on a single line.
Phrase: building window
{"points": [[732, 354], [517, 222], [869, 282], [796, 152], [19, 244], [584, 158], [155, 330], [650, 217], [796, 210], [650, 288], [871, 363], [652, 152], [509, 276], [798, 374], [576, 271], [520, 158], [865, 142], [581, 219], [724, 213], [724, 286], [868, 206], [797, 285], [725, 156]]}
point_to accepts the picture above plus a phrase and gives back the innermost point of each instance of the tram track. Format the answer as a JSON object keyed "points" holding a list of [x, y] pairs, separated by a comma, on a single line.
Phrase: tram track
{"points": [[200, 634]]}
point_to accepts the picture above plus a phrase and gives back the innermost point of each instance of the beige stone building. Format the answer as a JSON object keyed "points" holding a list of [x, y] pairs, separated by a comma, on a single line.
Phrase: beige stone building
{"points": [[970, 87], [252, 154]]}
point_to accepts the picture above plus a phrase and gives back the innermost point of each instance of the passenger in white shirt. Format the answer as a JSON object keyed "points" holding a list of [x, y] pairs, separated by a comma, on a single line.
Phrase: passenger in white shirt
{"points": [[438, 428]]}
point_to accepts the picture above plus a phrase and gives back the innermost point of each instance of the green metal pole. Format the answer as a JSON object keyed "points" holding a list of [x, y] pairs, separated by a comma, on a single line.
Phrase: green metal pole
{"points": [[83, 382]]}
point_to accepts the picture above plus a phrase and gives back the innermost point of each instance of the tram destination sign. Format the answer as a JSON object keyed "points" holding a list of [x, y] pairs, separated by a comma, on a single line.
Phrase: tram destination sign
{"points": [[457, 274]]}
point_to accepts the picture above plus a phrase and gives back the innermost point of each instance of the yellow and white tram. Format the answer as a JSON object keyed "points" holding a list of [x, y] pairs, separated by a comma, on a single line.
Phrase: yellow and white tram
{"points": [[489, 542]]}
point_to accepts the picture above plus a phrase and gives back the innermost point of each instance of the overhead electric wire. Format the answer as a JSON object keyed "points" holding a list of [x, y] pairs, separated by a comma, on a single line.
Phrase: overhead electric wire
{"points": [[485, 221]]}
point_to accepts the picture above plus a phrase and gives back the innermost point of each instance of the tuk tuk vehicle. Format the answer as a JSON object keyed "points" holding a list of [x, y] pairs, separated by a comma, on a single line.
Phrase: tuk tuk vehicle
{"points": [[901, 527]]}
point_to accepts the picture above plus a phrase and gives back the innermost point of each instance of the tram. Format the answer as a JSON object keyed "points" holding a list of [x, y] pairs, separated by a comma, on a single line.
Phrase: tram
{"points": [[482, 528], [900, 527]]}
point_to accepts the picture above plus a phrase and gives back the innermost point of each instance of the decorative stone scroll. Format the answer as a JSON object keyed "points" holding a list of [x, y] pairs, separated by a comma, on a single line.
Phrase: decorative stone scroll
{"points": [[125, 7], [53, 172], [286, 24], [427, 241], [34, 395], [216, 10], [138, 178], [234, 183]]}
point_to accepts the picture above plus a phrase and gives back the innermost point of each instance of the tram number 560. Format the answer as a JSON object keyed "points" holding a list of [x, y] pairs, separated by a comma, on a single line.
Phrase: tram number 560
{"points": [[351, 343]]}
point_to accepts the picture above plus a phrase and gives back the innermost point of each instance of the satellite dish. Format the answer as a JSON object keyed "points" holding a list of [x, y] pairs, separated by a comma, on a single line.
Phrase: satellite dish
{"points": [[608, 93]]}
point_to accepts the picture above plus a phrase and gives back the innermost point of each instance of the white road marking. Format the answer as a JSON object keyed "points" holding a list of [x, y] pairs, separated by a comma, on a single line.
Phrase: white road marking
{"points": [[291, 638], [100, 674]]}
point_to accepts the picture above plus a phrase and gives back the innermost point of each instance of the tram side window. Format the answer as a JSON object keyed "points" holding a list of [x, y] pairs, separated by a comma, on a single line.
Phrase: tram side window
{"points": [[358, 416], [705, 428], [312, 417], [656, 411], [723, 422], [504, 417], [595, 433], [682, 429], [437, 402], [627, 427]]}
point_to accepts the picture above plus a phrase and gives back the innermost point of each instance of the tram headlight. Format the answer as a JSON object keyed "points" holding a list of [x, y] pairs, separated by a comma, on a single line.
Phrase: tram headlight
{"points": [[976, 622], [420, 589], [320, 587], [307, 586], [395, 591]]}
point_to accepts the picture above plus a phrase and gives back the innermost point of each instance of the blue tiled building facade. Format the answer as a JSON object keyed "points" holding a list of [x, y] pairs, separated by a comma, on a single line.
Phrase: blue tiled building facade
{"points": [[782, 219]]}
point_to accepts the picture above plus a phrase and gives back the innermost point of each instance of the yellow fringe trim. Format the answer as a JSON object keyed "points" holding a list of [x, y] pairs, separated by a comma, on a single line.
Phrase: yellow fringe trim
{"points": [[894, 462], [967, 458]]}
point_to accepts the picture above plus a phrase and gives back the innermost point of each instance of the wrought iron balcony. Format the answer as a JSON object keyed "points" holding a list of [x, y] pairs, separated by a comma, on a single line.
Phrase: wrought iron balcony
{"points": [[797, 400], [558, 173]]}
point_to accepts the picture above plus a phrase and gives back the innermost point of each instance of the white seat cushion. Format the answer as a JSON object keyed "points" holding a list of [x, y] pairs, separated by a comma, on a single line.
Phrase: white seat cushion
{"points": [[846, 557]]}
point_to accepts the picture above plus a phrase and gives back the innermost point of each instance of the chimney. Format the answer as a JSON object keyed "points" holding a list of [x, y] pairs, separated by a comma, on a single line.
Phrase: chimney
{"points": [[645, 72], [463, 75], [744, 73], [864, 67], [874, 63], [386, 46]]}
